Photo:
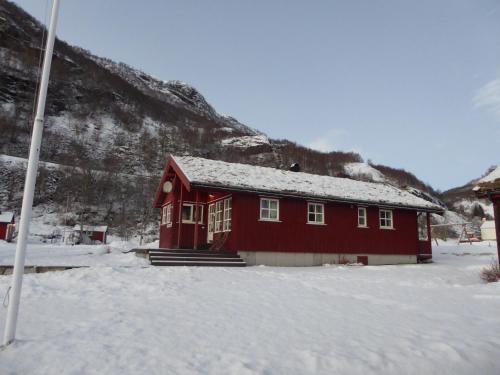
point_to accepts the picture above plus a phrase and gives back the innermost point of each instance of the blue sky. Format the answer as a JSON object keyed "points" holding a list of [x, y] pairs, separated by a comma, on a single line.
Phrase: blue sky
{"points": [[410, 84]]}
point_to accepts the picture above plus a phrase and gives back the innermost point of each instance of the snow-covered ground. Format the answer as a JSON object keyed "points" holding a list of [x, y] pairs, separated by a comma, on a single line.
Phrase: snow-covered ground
{"points": [[434, 318], [42, 252], [78, 255]]}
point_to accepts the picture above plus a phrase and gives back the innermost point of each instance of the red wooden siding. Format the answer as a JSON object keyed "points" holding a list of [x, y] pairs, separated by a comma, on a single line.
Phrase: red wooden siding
{"points": [[3, 230], [168, 235], [339, 234], [98, 236], [496, 212]]}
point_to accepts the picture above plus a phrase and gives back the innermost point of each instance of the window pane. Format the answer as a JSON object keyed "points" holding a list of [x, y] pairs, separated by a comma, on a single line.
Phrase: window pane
{"points": [[312, 217], [273, 214], [319, 218], [319, 208], [264, 203], [273, 205], [186, 213], [264, 214], [311, 208]]}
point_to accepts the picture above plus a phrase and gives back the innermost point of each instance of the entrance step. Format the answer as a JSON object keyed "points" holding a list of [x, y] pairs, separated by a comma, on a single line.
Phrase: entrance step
{"points": [[197, 254], [198, 263], [198, 258]]}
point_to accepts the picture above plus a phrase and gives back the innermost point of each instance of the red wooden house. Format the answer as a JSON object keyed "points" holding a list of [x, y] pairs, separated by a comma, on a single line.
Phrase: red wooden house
{"points": [[275, 217], [6, 225], [91, 234]]}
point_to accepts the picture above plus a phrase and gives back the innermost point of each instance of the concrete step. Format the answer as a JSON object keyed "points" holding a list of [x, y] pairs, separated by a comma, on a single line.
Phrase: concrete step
{"points": [[197, 263], [193, 254], [192, 259]]}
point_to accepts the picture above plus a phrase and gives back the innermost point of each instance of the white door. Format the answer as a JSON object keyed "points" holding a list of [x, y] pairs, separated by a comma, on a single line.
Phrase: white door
{"points": [[211, 223]]}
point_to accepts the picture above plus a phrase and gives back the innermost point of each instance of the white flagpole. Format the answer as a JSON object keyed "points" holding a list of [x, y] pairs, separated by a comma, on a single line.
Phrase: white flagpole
{"points": [[29, 185]]}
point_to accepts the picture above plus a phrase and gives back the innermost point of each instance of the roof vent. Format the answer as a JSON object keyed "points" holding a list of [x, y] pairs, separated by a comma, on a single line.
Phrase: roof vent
{"points": [[295, 167]]}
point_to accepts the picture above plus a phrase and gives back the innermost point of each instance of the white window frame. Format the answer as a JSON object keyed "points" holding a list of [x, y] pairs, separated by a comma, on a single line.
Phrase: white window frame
{"points": [[192, 215], [316, 213], [269, 210], [364, 216], [390, 219], [211, 218], [422, 226], [167, 212], [219, 211], [166, 215], [228, 215]]}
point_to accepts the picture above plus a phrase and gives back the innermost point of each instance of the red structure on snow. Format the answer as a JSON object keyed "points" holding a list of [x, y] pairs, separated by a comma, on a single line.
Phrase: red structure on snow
{"points": [[6, 225], [91, 234], [287, 218], [489, 188]]}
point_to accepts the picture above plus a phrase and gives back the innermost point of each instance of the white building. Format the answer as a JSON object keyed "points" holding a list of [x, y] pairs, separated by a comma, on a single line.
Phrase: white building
{"points": [[488, 230]]}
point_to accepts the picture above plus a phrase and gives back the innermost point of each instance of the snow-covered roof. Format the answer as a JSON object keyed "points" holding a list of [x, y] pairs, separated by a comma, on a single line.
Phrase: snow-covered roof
{"points": [[6, 217], [90, 228], [214, 173], [487, 224], [489, 183], [492, 176]]}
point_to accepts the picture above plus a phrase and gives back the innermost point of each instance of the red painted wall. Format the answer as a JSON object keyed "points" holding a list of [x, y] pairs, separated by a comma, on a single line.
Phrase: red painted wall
{"points": [[3, 231], [98, 236], [496, 203], [340, 234], [169, 235]]}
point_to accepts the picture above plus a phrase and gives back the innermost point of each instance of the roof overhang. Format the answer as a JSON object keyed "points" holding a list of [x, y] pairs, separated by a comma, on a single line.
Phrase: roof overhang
{"points": [[490, 190], [171, 170], [199, 185]]}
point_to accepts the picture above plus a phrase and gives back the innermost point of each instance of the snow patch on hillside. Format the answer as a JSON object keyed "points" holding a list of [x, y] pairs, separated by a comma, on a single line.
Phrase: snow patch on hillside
{"points": [[14, 161], [246, 141], [467, 206], [364, 171], [450, 217]]}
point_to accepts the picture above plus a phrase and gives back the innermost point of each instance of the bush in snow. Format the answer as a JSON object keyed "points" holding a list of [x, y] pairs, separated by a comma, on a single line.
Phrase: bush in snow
{"points": [[491, 273]]}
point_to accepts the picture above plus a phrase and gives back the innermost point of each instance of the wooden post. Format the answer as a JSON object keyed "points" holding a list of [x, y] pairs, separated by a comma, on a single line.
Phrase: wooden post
{"points": [[496, 214], [196, 219], [429, 234], [179, 230]]}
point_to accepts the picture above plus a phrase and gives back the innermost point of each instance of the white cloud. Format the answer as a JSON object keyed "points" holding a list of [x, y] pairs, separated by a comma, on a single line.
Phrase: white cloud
{"points": [[488, 97], [330, 141]]}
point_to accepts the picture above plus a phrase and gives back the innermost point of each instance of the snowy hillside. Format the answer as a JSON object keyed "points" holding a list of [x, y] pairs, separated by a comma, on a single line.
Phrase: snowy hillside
{"points": [[175, 92], [246, 141], [463, 200]]}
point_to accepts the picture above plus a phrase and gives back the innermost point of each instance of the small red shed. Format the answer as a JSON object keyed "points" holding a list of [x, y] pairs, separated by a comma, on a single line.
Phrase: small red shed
{"points": [[6, 225], [286, 218], [92, 234], [489, 188]]}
